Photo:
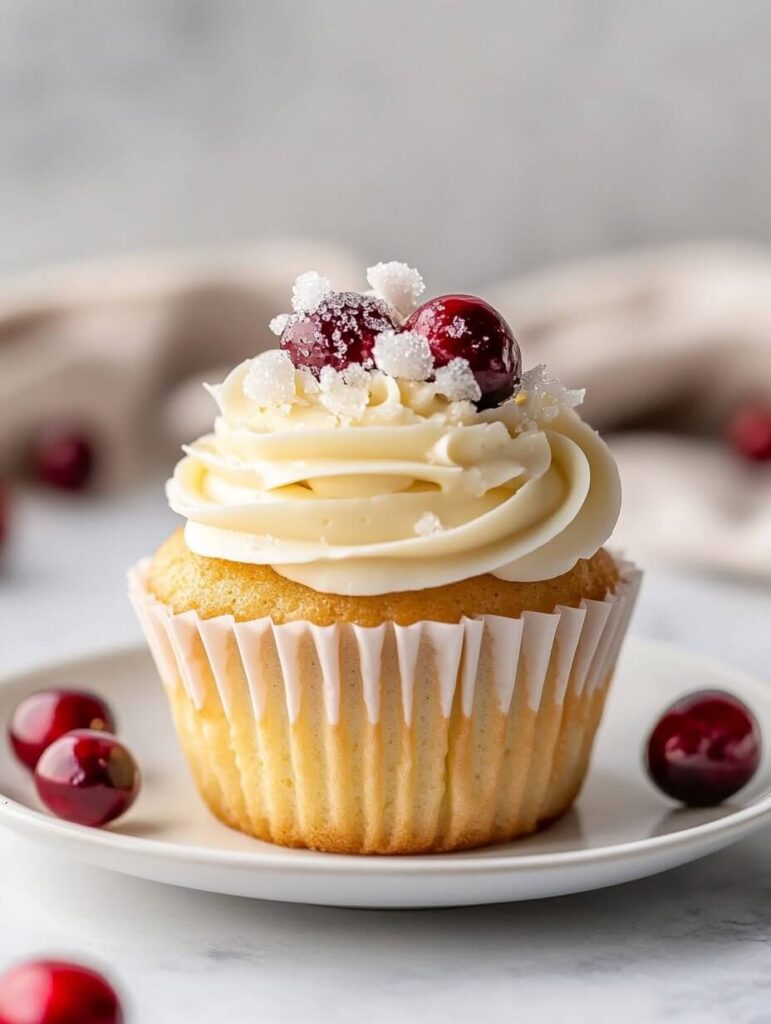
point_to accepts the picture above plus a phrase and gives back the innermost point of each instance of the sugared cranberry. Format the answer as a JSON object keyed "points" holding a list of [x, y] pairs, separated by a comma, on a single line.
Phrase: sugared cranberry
{"points": [[704, 749], [87, 777], [63, 459], [43, 717], [340, 331], [54, 992], [749, 431], [463, 326]]}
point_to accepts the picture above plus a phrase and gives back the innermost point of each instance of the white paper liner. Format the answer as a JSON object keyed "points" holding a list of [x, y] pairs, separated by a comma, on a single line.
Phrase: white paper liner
{"points": [[267, 712], [583, 642]]}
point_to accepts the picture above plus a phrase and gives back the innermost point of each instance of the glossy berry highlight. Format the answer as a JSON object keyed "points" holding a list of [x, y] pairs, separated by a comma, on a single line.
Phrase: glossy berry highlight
{"points": [[467, 327], [43, 717], [87, 777], [705, 748], [56, 992]]}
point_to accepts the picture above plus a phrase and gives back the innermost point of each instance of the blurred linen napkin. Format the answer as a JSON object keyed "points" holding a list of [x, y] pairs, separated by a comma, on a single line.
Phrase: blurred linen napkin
{"points": [[667, 343]]}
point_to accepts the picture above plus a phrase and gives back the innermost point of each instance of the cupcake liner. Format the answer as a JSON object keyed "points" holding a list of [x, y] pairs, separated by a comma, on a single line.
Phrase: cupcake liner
{"points": [[388, 739]]}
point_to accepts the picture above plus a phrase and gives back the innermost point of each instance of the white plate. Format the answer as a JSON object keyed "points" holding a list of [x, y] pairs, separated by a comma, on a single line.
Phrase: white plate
{"points": [[620, 829]]}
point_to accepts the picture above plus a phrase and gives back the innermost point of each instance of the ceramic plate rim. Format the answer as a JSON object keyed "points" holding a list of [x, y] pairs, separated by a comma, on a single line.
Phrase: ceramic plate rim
{"points": [[27, 819]]}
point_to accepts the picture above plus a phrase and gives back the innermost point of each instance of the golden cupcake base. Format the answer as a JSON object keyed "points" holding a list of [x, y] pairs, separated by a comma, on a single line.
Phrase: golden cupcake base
{"points": [[325, 788], [391, 739]]}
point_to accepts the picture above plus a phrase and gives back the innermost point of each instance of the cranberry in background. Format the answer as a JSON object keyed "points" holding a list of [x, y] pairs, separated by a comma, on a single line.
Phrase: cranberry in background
{"points": [[55, 992], [43, 717], [87, 777], [63, 458], [749, 431], [704, 748], [4, 514]]}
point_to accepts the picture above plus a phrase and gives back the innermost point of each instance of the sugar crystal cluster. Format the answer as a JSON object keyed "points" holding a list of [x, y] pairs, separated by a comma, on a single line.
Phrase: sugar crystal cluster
{"points": [[397, 284], [270, 379], [403, 354], [279, 323], [345, 393], [309, 290], [542, 398], [456, 381], [428, 524]]}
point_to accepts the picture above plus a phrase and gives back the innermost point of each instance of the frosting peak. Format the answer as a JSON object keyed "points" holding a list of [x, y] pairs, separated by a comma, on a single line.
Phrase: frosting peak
{"points": [[361, 483]]}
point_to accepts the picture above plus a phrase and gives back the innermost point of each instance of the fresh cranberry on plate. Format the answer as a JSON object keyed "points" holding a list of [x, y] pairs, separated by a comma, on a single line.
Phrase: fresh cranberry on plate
{"points": [[87, 777], [466, 327], [341, 330], [704, 748], [63, 459], [55, 992], [43, 717]]}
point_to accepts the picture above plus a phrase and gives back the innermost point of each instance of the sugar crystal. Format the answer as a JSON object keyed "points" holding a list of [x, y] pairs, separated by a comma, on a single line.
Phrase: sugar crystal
{"points": [[308, 383], [397, 284], [457, 382], [428, 524], [542, 398], [269, 381], [279, 323], [308, 291], [345, 393], [406, 355]]}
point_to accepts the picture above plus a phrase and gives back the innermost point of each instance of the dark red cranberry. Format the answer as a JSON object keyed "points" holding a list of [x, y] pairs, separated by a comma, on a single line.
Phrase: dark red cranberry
{"points": [[704, 749], [4, 515], [54, 992], [88, 777], [463, 326], [340, 331], [43, 717], [63, 459], [749, 431]]}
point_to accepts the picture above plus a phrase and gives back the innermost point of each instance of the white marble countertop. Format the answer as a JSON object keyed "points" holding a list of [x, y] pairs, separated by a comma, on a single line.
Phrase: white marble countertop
{"points": [[692, 946]]}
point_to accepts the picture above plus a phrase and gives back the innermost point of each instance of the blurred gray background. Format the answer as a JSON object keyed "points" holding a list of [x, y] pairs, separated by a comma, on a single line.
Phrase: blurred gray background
{"points": [[474, 139]]}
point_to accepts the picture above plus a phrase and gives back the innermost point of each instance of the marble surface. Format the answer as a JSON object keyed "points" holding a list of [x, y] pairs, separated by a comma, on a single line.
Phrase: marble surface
{"points": [[693, 945]]}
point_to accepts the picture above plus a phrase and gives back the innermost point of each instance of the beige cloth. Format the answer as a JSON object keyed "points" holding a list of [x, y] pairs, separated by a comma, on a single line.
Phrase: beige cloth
{"points": [[667, 343], [112, 346]]}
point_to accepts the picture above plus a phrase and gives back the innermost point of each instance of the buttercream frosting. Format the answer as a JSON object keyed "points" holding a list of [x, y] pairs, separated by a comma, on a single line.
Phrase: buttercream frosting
{"points": [[363, 484]]}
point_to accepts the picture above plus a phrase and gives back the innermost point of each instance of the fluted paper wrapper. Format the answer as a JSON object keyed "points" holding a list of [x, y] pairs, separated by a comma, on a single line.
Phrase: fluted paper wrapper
{"points": [[390, 739]]}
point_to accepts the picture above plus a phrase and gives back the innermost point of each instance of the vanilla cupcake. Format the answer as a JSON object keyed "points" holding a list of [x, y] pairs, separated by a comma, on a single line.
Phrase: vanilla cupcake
{"points": [[389, 625]]}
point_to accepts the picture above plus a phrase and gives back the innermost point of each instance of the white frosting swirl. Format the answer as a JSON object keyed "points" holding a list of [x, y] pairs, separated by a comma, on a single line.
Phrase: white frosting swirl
{"points": [[402, 490]]}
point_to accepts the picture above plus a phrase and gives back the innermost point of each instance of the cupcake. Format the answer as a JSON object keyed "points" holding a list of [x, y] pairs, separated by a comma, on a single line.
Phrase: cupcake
{"points": [[389, 624]]}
